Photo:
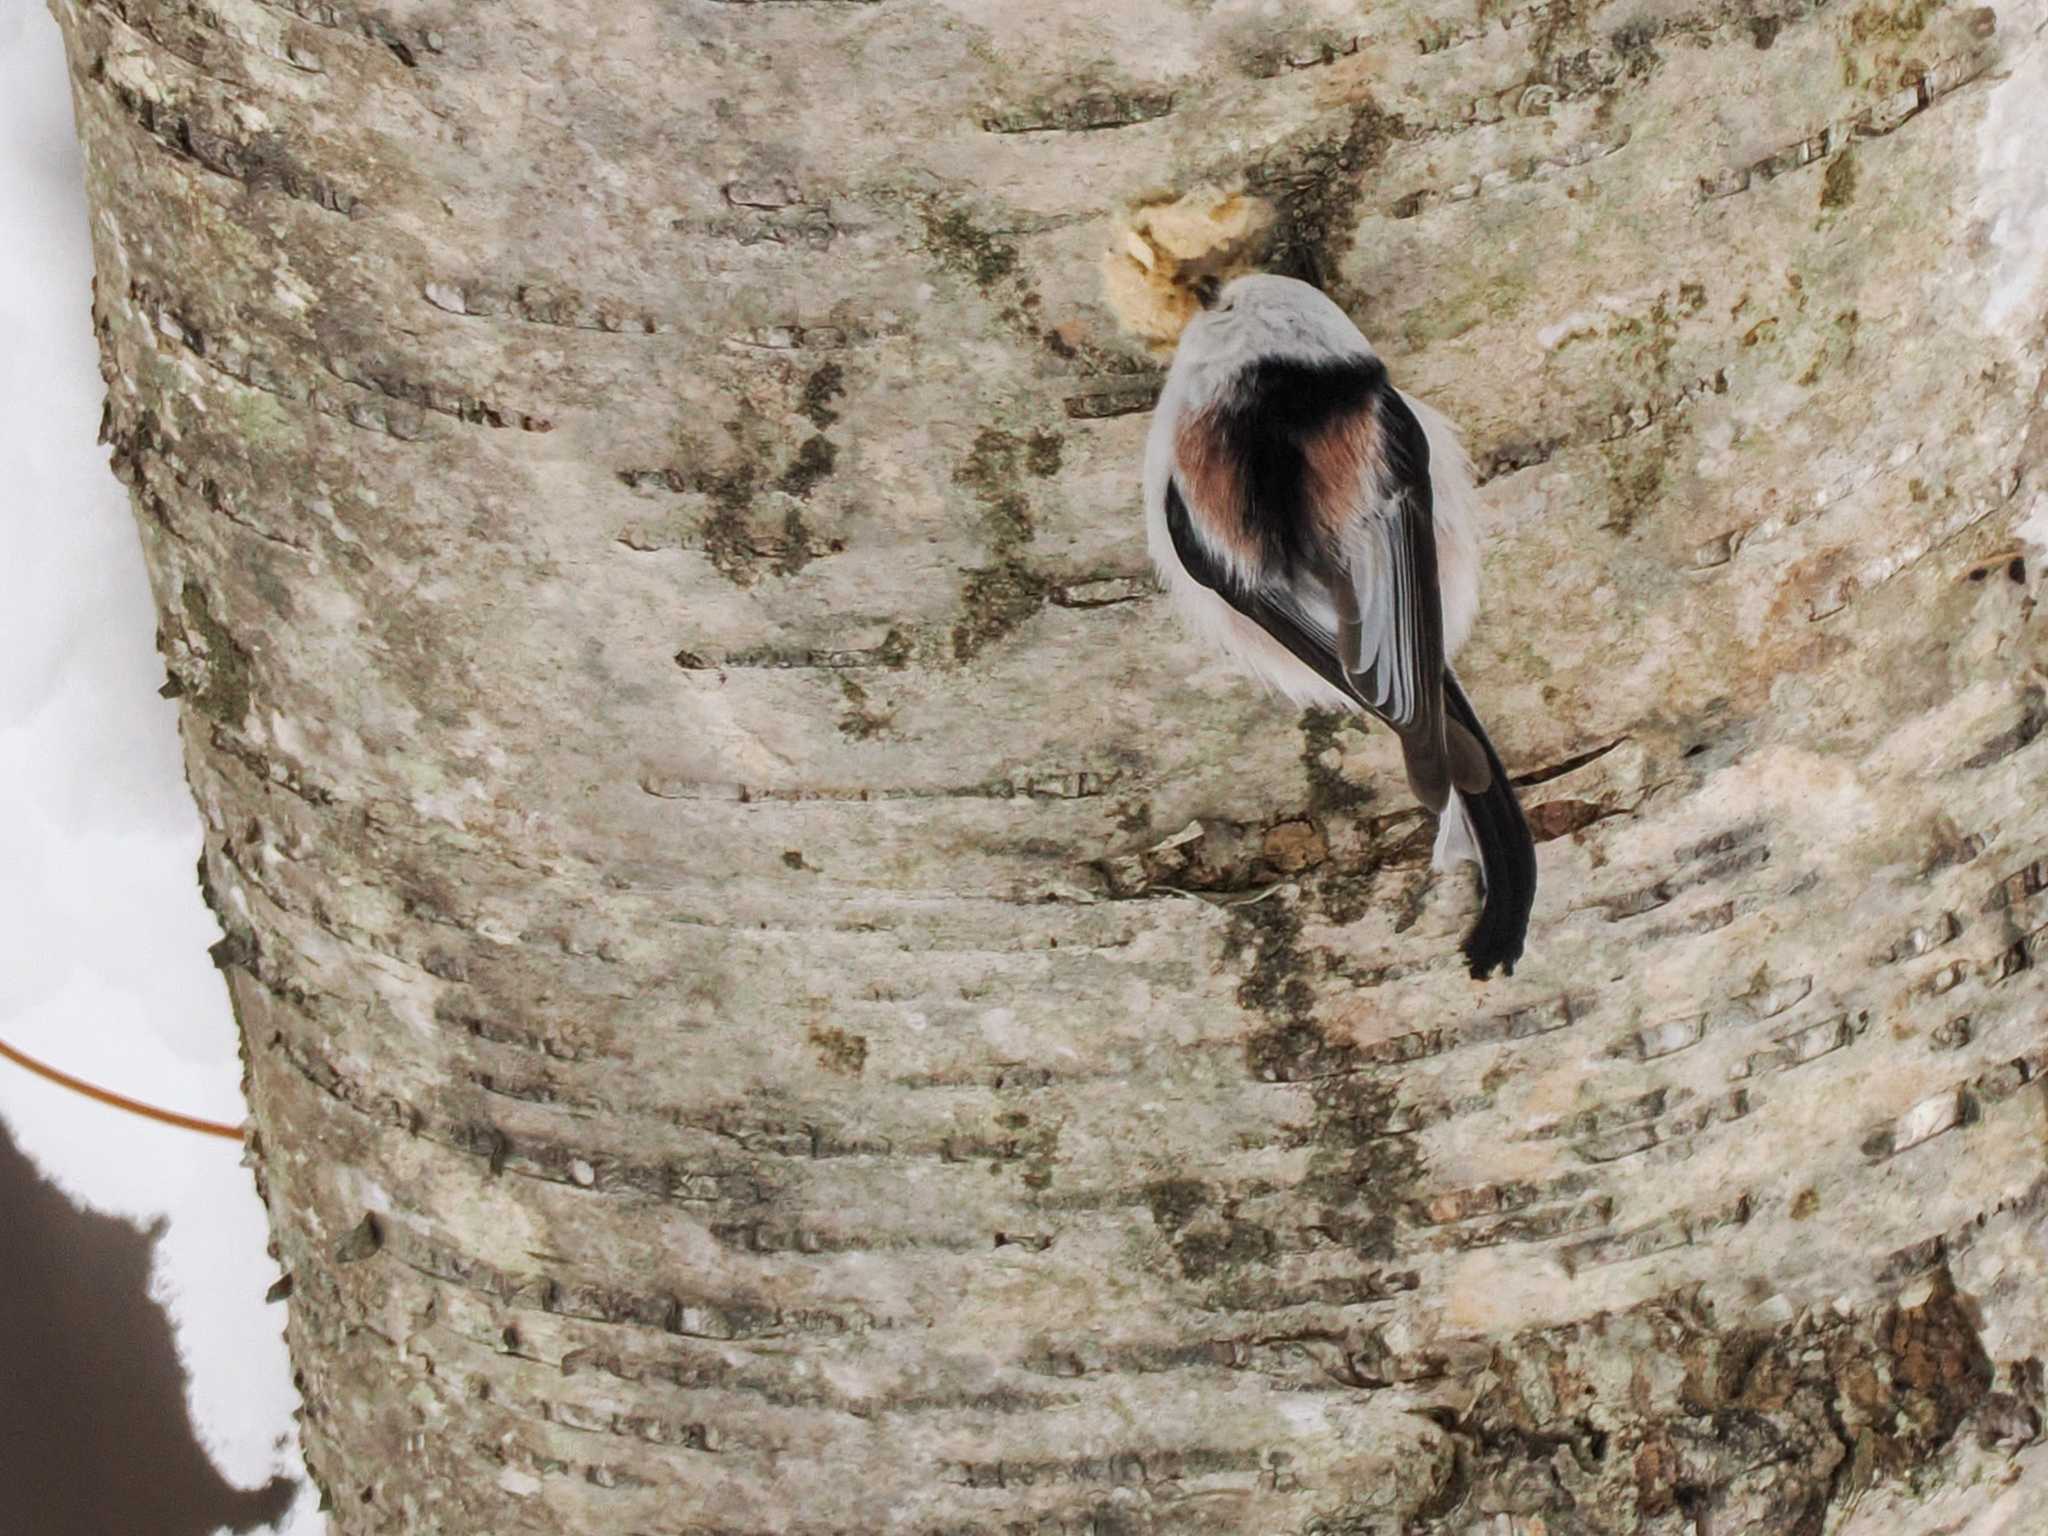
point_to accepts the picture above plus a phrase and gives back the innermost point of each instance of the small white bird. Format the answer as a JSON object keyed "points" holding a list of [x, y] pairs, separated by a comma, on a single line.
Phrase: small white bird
{"points": [[1316, 523]]}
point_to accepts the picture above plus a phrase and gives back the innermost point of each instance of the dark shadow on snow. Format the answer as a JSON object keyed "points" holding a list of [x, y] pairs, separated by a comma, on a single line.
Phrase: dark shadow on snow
{"points": [[94, 1431]]}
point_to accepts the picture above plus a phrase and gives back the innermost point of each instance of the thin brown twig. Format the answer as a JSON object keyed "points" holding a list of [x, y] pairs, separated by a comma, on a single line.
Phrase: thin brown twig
{"points": [[119, 1101]]}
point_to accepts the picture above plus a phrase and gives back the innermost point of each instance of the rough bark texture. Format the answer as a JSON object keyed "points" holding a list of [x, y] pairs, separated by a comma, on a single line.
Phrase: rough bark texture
{"points": [[781, 997]]}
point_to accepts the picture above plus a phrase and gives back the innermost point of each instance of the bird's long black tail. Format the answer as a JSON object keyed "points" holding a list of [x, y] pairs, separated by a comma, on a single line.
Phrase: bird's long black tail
{"points": [[1507, 853]]}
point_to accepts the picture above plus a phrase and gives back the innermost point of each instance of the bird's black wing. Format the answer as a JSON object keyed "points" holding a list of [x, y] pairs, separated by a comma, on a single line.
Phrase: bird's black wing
{"points": [[1386, 655], [1383, 588], [1317, 481]]}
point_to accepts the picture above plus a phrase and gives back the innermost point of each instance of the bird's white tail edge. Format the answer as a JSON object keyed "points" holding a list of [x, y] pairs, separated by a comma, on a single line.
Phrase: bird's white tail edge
{"points": [[1456, 842]]}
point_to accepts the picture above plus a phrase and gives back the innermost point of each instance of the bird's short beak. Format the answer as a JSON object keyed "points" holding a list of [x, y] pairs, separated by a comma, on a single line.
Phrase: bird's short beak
{"points": [[1205, 290]]}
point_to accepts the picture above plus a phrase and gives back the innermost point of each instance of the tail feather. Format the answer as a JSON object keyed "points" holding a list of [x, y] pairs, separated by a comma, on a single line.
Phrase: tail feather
{"points": [[1429, 770], [1469, 768], [1495, 827]]}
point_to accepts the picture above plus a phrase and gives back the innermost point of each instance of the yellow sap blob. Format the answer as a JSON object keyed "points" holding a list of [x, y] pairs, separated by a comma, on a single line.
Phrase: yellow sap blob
{"points": [[1161, 250]]}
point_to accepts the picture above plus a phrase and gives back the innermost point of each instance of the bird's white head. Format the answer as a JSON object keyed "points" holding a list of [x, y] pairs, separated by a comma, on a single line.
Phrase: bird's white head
{"points": [[1267, 316]]}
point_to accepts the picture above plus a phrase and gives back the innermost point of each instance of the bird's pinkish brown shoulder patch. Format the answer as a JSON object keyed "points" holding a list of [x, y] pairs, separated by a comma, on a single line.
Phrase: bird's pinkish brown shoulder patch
{"points": [[1213, 485], [1346, 461]]}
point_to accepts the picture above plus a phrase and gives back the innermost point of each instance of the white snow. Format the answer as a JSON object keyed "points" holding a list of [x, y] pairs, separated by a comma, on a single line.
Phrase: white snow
{"points": [[2013, 195], [103, 938]]}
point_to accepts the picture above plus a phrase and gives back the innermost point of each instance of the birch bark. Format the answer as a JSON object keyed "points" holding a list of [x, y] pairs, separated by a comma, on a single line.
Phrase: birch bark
{"points": [[782, 997]]}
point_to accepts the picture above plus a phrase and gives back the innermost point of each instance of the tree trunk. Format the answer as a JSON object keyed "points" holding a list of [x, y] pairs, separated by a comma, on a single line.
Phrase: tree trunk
{"points": [[781, 995]]}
